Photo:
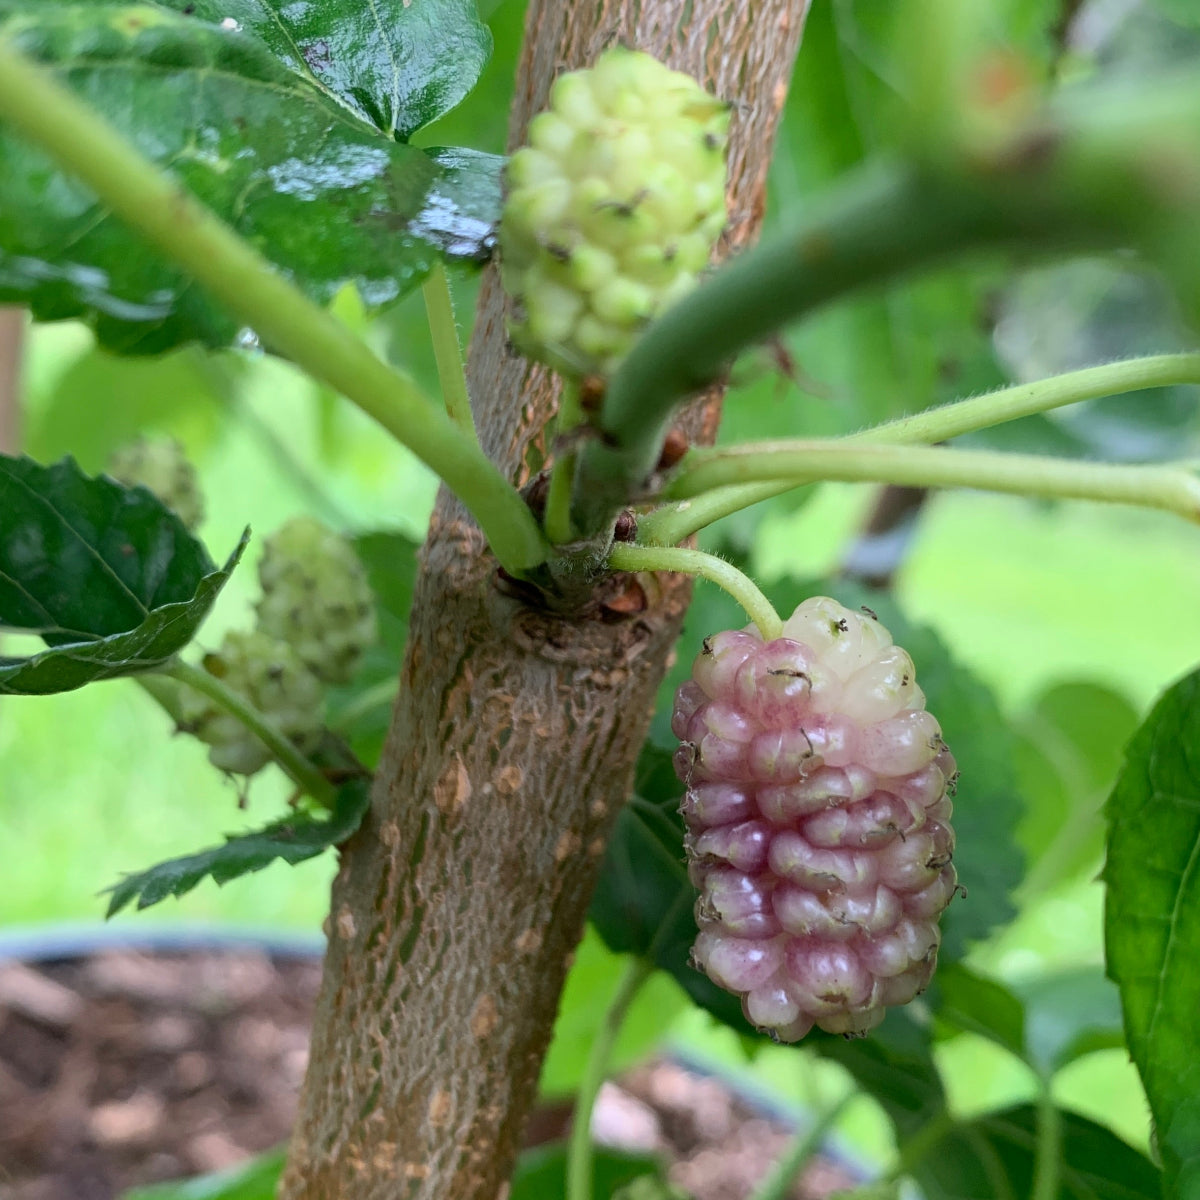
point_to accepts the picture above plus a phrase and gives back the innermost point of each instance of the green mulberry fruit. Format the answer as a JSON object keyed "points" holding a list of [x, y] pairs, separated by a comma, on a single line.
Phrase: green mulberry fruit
{"points": [[270, 676], [160, 465], [612, 209], [315, 596]]}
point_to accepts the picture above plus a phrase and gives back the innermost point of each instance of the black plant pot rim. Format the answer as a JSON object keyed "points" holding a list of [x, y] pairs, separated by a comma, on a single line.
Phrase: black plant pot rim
{"points": [[57, 940]]}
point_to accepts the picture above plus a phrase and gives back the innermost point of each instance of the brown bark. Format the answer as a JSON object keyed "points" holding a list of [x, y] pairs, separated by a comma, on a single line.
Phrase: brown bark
{"points": [[458, 905]]}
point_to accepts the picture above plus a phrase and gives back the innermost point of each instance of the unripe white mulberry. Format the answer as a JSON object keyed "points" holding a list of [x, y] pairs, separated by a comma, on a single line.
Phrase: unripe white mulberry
{"points": [[316, 597], [269, 675], [818, 821], [612, 209], [160, 465]]}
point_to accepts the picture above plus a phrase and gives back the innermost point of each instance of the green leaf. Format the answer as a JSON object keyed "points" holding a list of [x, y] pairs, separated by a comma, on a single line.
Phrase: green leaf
{"points": [[106, 575], [396, 63], [591, 985], [256, 1180], [291, 839], [542, 1172], [1152, 920], [1048, 1021], [1068, 752], [1068, 1015], [328, 198], [994, 1156], [979, 1005]]}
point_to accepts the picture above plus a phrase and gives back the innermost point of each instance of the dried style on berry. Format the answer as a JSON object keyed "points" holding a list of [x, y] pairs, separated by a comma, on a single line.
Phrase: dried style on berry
{"points": [[160, 465], [316, 597], [269, 675], [818, 814], [612, 209]]}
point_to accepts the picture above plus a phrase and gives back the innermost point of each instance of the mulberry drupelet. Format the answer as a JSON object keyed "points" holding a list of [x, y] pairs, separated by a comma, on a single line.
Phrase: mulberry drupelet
{"points": [[818, 814]]}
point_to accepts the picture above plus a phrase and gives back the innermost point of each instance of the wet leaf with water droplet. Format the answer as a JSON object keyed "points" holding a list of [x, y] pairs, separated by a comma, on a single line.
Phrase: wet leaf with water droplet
{"points": [[280, 154]]}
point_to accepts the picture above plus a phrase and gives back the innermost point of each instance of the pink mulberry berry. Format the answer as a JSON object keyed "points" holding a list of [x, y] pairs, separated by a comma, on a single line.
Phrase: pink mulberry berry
{"points": [[818, 818]]}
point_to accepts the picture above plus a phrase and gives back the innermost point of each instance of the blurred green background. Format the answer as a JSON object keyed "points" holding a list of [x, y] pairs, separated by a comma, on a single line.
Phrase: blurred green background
{"points": [[1076, 615]]}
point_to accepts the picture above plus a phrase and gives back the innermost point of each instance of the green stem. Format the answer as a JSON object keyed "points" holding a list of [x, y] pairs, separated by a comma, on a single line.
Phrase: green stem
{"points": [[797, 462], [557, 521], [778, 1185], [1078, 176], [443, 331], [672, 523], [626, 557], [579, 1152], [921, 1143], [297, 768], [171, 219], [1048, 1153]]}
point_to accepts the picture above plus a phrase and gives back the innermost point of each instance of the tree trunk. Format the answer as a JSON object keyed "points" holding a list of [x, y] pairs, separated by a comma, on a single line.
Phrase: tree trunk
{"points": [[459, 903]]}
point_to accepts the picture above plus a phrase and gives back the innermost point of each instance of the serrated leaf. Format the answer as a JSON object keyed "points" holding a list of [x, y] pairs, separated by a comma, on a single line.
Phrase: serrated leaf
{"points": [[107, 575], [327, 197], [994, 1157], [542, 1172], [292, 840], [255, 1180], [1152, 920], [399, 64]]}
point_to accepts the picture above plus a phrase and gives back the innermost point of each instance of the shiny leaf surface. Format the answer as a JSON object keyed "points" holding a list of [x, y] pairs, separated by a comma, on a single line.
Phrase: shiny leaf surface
{"points": [[106, 575], [325, 196], [396, 63]]}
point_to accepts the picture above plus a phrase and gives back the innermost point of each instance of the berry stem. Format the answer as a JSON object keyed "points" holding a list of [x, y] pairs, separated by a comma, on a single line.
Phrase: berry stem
{"points": [[297, 768], [1048, 1151], [447, 350], [1166, 487], [627, 557], [171, 219], [579, 1153], [778, 1184], [672, 523]]}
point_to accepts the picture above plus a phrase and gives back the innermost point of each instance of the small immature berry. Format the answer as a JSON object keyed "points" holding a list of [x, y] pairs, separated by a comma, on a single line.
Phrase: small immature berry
{"points": [[160, 465], [612, 209], [270, 676], [315, 596], [818, 821]]}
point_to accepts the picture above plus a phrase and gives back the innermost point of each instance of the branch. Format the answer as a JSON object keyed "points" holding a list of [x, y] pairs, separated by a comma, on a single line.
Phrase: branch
{"points": [[12, 328], [1118, 168], [85, 145], [1170, 488], [673, 523]]}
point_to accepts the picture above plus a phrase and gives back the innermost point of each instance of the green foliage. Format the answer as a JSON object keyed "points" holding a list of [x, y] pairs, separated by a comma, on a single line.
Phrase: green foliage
{"points": [[279, 154], [1152, 920], [1068, 749], [995, 1155], [291, 839], [542, 1172], [394, 63], [106, 575], [1048, 1022], [256, 1180]]}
